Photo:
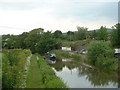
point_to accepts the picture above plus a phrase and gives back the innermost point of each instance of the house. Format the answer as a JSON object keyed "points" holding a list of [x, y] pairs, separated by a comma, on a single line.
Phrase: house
{"points": [[117, 53], [81, 49], [66, 48]]}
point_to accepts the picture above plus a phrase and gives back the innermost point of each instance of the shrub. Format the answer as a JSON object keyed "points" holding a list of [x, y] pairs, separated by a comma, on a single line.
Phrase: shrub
{"points": [[13, 67], [99, 50]]}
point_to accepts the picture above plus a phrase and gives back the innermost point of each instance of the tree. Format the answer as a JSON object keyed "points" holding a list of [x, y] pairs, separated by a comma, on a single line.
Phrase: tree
{"points": [[82, 31], [99, 50], [70, 35], [102, 33], [46, 43], [21, 40], [33, 38], [57, 34], [115, 35], [94, 34]]}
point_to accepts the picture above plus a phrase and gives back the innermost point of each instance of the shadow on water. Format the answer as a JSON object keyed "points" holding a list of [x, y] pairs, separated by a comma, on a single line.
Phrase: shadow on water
{"points": [[77, 76]]}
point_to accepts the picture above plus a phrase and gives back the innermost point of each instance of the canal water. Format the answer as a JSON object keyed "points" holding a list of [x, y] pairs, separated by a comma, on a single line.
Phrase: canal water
{"points": [[78, 76]]}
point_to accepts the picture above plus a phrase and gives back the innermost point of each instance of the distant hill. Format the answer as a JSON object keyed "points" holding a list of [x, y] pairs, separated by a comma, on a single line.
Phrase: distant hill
{"points": [[108, 30]]}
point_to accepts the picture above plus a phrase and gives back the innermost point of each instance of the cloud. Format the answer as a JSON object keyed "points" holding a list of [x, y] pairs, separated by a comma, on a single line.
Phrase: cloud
{"points": [[54, 1], [29, 20], [55, 15]]}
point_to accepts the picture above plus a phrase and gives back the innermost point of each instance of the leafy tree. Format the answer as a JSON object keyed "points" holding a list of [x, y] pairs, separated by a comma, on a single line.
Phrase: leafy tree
{"points": [[33, 38], [94, 34], [97, 50], [115, 35], [8, 41], [70, 35], [21, 40], [102, 33], [81, 33], [57, 34], [46, 43]]}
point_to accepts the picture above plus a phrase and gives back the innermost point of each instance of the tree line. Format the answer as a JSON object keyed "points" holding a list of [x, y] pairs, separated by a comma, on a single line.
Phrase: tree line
{"points": [[39, 41]]}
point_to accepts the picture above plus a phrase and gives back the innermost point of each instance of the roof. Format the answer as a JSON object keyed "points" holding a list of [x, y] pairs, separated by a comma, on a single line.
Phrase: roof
{"points": [[79, 48], [117, 50], [52, 55]]}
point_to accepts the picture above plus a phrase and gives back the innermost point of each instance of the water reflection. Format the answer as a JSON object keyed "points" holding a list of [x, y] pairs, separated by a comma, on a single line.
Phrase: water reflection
{"points": [[77, 76], [99, 77]]}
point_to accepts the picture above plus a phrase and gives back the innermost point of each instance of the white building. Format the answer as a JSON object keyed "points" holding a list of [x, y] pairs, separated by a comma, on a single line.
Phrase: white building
{"points": [[66, 48]]}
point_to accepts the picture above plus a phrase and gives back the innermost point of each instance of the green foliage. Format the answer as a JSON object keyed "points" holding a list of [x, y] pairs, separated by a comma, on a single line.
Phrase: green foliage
{"points": [[48, 76], [76, 56], [102, 33], [13, 63], [106, 63], [36, 40], [115, 35], [46, 43], [55, 83], [94, 34], [62, 54], [57, 34], [70, 36], [99, 51], [82, 31], [74, 44], [33, 38]]}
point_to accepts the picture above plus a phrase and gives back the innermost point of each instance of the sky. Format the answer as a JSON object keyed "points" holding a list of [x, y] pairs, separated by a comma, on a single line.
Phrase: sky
{"points": [[18, 16]]}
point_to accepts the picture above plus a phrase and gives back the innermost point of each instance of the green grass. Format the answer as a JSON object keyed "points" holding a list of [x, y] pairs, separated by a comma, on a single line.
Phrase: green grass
{"points": [[41, 75], [34, 78], [49, 77], [61, 54], [73, 44]]}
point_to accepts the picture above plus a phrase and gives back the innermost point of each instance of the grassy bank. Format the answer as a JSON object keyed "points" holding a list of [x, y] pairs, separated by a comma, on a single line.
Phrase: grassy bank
{"points": [[74, 44], [41, 75], [34, 77], [62, 54], [20, 70]]}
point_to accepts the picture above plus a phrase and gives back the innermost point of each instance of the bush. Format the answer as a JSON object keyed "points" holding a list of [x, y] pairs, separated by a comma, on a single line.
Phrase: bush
{"points": [[99, 52], [13, 67]]}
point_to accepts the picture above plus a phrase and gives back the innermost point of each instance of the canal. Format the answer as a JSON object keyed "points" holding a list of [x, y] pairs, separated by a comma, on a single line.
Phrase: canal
{"points": [[75, 75]]}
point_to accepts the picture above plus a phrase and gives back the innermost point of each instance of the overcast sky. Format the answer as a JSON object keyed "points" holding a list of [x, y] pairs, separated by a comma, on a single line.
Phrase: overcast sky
{"points": [[18, 16]]}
